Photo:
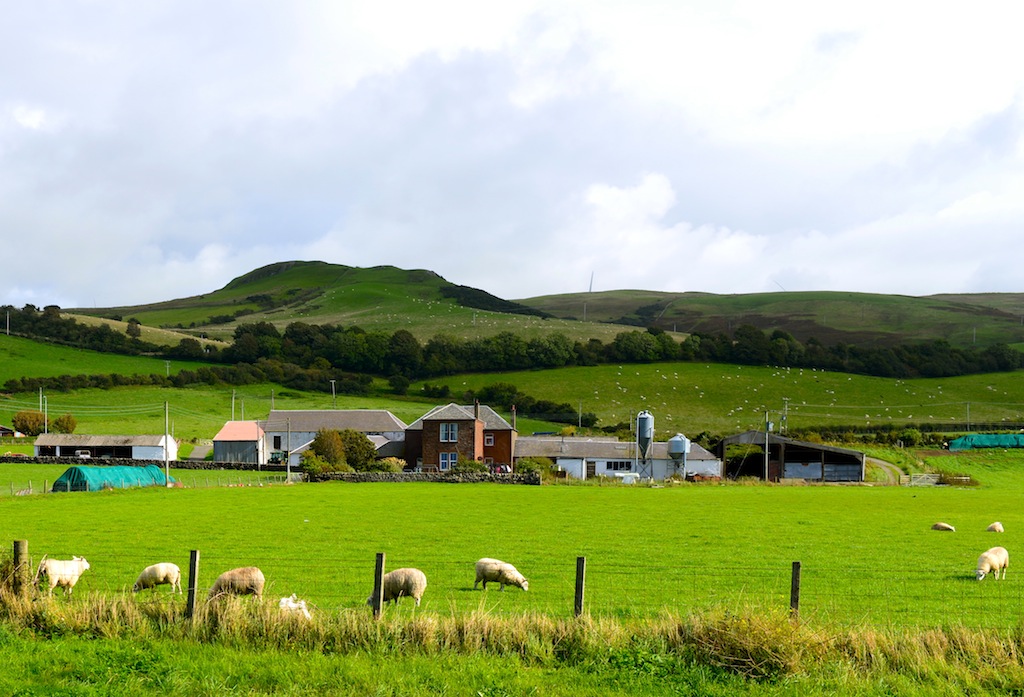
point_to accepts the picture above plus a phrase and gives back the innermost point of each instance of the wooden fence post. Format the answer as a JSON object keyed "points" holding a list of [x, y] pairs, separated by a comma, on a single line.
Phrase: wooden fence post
{"points": [[193, 581], [378, 586], [581, 575], [21, 569], [794, 591]]}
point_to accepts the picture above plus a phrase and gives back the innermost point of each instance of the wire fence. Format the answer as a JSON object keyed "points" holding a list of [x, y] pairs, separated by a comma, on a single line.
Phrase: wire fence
{"points": [[840, 596]]}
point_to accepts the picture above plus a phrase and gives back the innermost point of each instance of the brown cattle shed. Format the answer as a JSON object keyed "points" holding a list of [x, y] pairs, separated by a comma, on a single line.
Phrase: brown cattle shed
{"points": [[792, 459]]}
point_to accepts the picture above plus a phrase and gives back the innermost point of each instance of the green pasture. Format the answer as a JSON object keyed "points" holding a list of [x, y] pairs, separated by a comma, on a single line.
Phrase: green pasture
{"points": [[199, 411], [721, 398], [24, 358], [868, 555]]}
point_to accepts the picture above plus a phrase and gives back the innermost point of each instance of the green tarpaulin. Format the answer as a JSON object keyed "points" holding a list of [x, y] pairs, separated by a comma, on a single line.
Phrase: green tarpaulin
{"points": [[87, 478], [981, 440]]}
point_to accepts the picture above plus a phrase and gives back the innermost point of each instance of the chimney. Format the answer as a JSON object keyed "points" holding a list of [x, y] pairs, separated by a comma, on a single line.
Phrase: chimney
{"points": [[514, 417], [476, 409]]}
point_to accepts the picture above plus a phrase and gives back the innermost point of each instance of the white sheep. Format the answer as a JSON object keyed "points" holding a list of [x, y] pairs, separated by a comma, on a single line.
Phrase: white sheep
{"points": [[61, 572], [401, 582], [944, 526], [995, 527], [993, 560], [293, 606], [494, 570], [159, 574], [247, 580]]}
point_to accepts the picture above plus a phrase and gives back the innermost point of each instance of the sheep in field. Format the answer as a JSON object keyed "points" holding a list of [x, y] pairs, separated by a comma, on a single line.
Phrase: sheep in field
{"points": [[401, 582], [494, 570], [991, 561], [159, 574], [995, 527], [946, 527], [293, 606], [247, 580], [61, 572]]}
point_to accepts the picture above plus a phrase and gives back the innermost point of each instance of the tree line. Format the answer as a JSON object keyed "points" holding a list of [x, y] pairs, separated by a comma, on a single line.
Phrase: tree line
{"points": [[304, 353]]}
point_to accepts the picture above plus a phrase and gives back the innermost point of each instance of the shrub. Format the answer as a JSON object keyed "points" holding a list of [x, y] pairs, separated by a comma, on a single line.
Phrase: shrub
{"points": [[465, 465], [66, 423], [31, 423]]}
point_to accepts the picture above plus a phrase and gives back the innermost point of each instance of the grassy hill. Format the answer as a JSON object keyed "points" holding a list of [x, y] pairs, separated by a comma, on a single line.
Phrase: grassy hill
{"points": [[831, 317], [380, 298], [387, 298]]}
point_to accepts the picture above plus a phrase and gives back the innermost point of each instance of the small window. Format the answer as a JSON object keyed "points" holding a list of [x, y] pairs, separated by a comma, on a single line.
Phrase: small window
{"points": [[449, 432], [488, 439], [277, 442], [448, 460], [618, 466]]}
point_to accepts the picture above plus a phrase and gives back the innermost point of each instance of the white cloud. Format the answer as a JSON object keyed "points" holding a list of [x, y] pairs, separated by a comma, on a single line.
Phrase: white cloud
{"points": [[728, 147]]}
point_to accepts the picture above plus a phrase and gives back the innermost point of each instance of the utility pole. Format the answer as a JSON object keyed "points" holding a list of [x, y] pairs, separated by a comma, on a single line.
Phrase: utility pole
{"points": [[334, 398]]}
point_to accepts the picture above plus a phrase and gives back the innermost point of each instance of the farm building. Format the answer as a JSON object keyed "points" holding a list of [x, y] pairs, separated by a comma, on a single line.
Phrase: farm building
{"points": [[128, 447], [240, 441], [585, 458], [291, 431], [791, 459], [8, 432], [987, 440], [436, 440], [86, 478]]}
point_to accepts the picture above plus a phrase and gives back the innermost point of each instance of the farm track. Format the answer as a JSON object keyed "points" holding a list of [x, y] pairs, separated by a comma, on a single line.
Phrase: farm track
{"points": [[892, 472]]}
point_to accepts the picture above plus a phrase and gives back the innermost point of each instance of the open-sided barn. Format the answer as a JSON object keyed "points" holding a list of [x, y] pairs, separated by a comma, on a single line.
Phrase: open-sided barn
{"points": [[791, 459]]}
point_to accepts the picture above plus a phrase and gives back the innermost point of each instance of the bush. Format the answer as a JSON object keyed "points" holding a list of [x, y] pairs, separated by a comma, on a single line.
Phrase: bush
{"points": [[465, 465], [66, 423], [31, 423]]}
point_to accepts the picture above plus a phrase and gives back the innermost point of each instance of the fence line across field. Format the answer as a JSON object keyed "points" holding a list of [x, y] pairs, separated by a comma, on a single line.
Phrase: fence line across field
{"points": [[192, 481], [586, 585]]}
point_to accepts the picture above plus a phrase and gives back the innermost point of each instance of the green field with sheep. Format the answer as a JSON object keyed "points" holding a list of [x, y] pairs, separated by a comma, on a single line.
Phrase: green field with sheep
{"points": [[687, 588]]}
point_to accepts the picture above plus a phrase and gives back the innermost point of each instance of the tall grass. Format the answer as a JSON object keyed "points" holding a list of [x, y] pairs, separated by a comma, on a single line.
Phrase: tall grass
{"points": [[755, 646]]}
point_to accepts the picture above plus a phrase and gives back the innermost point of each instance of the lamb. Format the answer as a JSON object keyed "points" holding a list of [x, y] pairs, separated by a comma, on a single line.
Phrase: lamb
{"points": [[293, 606], [159, 574], [944, 526], [61, 572], [402, 582], [992, 561], [995, 527], [501, 572], [247, 580]]}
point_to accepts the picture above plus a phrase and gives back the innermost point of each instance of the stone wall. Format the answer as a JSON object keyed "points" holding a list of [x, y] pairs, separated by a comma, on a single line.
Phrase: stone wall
{"points": [[132, 462], [531, 479]]}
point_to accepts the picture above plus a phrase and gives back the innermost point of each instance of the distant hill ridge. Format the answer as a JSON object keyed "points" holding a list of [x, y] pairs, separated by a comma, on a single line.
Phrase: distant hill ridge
{"points": [[386, 297]]}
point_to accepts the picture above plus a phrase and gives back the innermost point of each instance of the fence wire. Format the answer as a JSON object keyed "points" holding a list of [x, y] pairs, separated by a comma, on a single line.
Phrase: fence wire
{"points": [[343, 582]]}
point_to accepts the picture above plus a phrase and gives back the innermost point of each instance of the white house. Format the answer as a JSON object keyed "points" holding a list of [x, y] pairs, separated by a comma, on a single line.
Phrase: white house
{"points": [[290, 431], [587, 457]]}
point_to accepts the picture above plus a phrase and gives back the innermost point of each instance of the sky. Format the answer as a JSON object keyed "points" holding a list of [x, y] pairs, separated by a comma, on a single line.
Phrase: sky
{"points": [[157, 150]]}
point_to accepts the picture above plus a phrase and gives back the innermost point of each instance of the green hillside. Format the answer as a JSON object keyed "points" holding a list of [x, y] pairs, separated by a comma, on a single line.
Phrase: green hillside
{"points": [[380, 298], [863, 319]]}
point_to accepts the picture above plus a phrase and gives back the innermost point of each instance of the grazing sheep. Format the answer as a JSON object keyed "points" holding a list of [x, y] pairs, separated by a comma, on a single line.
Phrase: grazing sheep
{"points": [[61, 572], [247, 580], [995, 527], [944, 526], [992, 561], [293, 606], [401, 582], [501, 572], [159, 574]]}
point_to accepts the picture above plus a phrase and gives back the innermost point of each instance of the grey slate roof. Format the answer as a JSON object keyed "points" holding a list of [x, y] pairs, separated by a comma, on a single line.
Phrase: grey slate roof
{"points": [[596, 448], [72, 440], [453, 412], [311, 420]]}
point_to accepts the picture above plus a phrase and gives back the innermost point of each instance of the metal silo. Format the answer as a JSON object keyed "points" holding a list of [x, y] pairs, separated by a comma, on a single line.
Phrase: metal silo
{"points": [[678, 449], [644, 434]]}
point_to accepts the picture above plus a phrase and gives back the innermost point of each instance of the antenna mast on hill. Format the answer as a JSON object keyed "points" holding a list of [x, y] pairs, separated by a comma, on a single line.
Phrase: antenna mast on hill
{"points": [[591, 289]]}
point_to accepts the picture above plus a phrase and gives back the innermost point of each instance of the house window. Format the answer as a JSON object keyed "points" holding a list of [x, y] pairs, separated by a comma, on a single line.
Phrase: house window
{"points": [[449, 433], [488, 439], [618, 466], [448, 460], [277, 442]]}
